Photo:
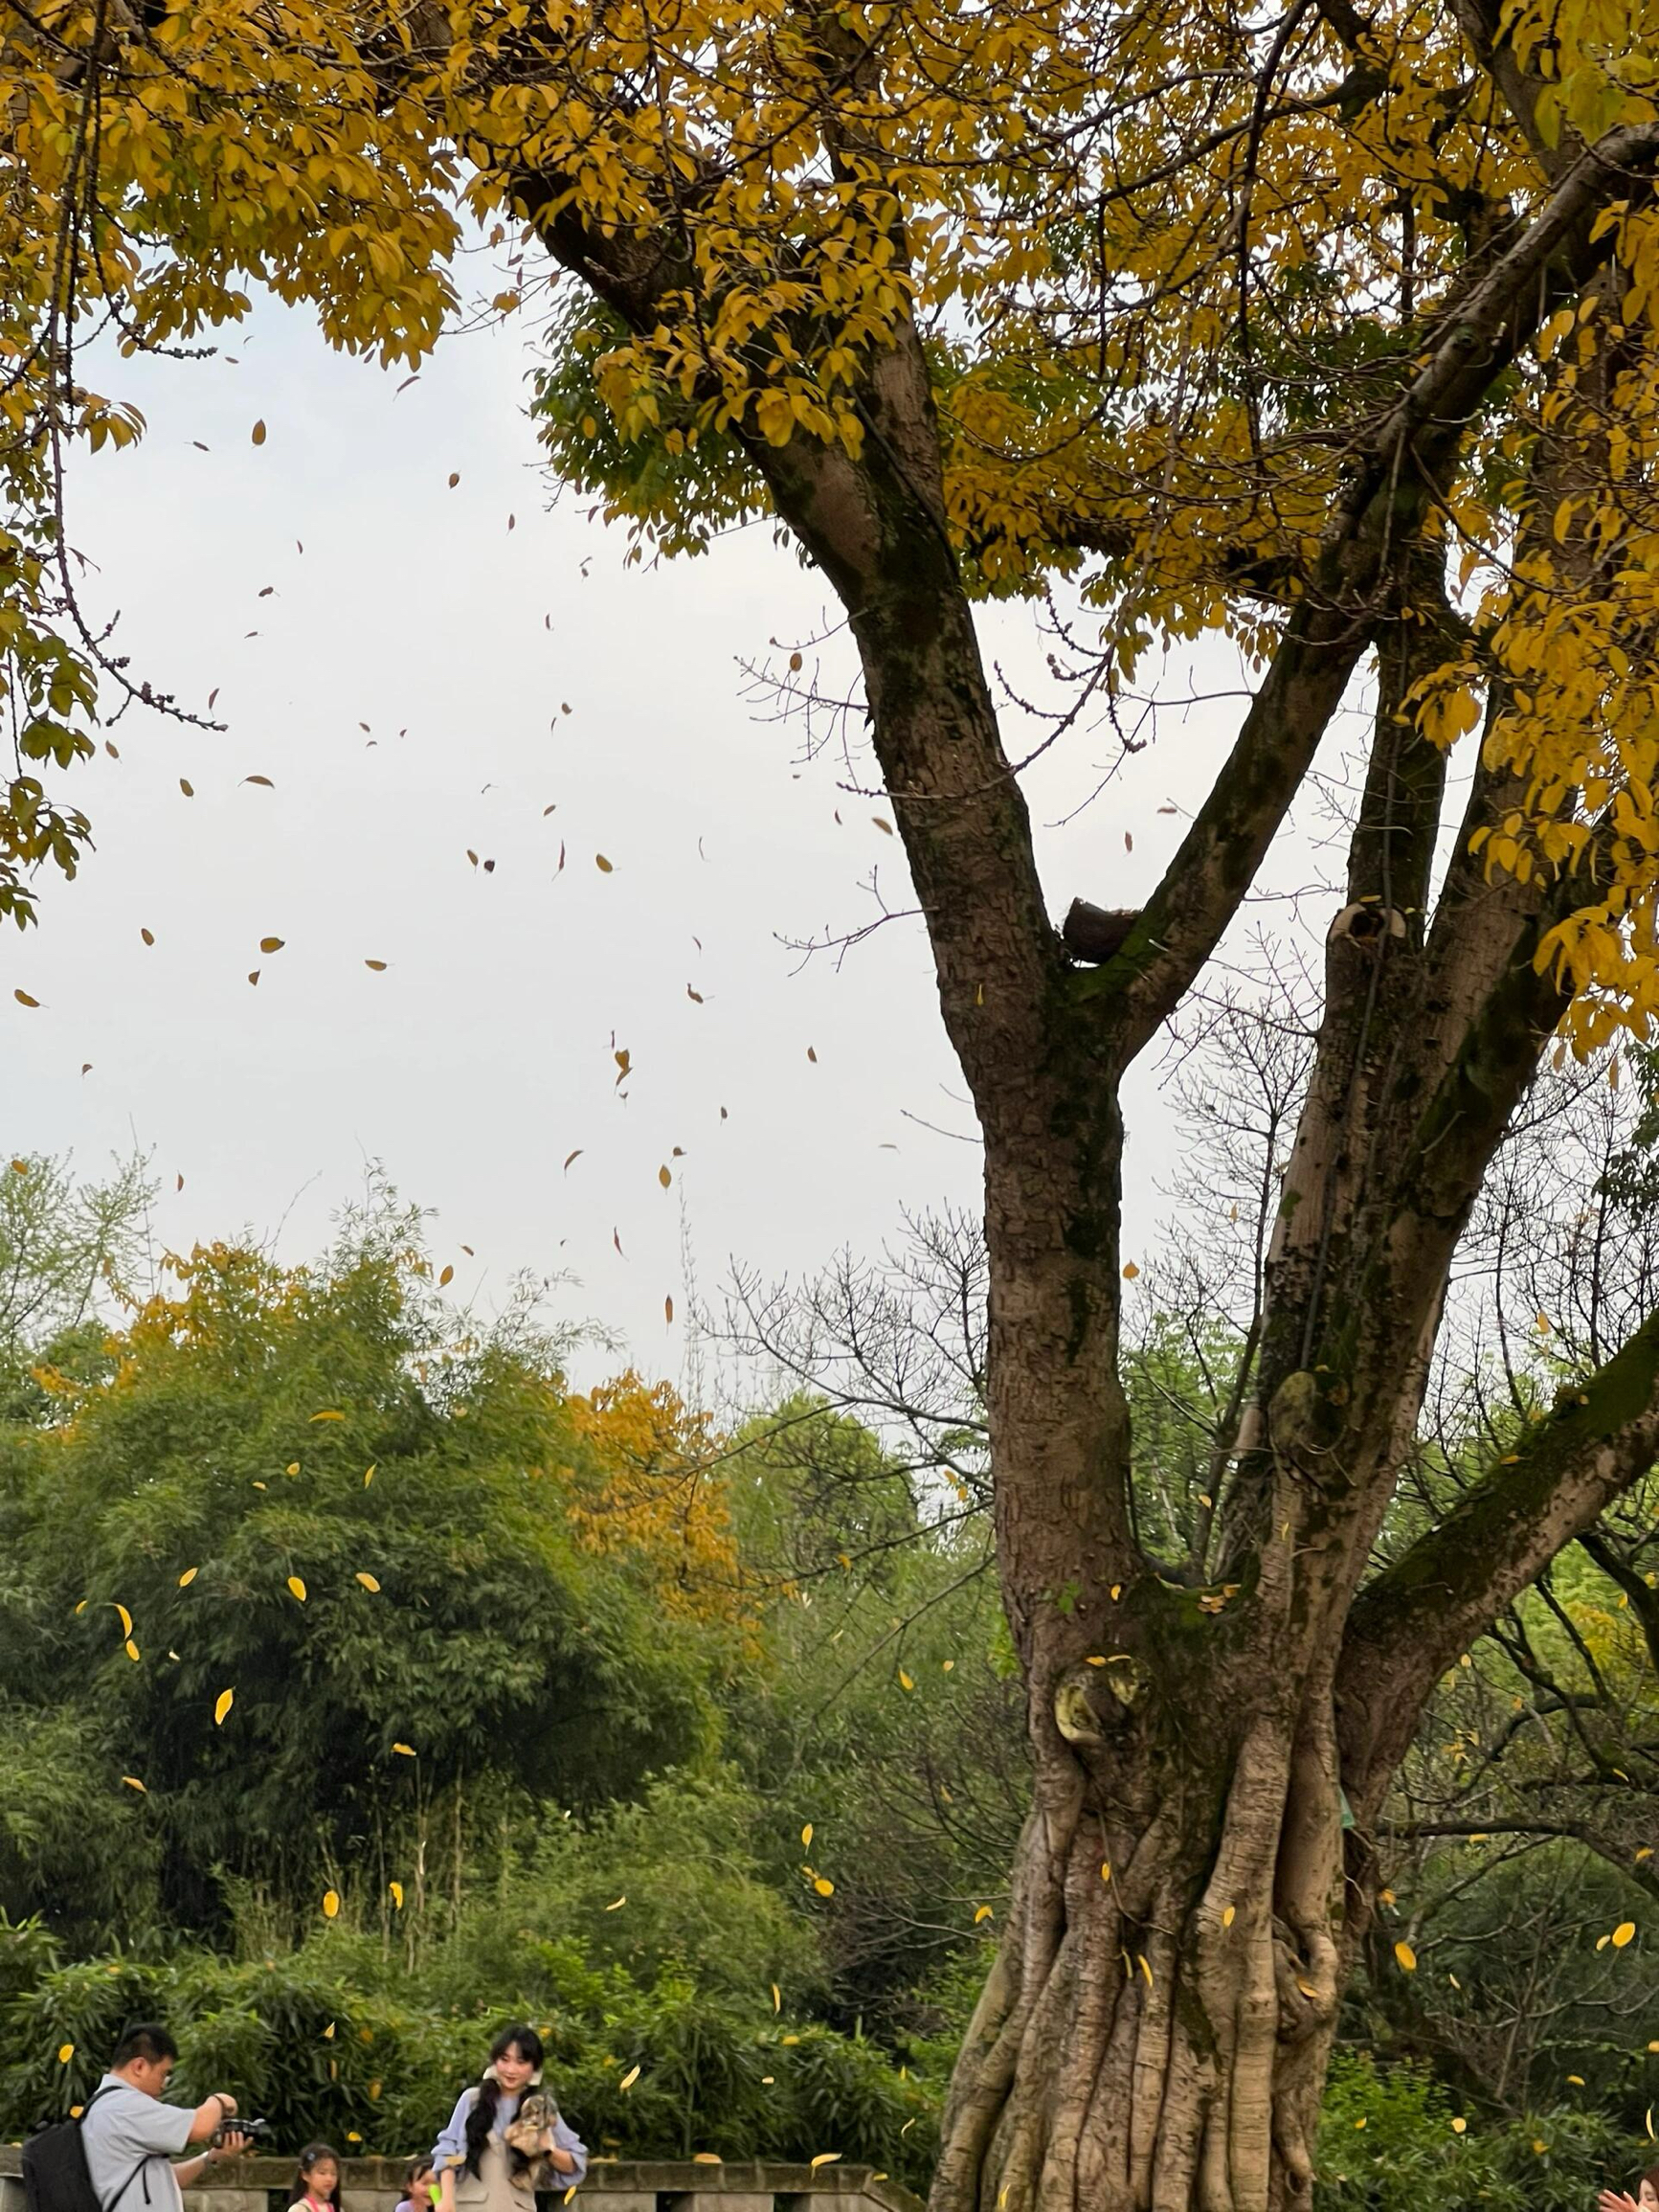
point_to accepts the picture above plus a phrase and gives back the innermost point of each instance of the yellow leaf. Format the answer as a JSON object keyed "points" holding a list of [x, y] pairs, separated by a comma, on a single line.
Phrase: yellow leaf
{"points": [[629, 2078], [984, 1913], [668, 1311], [446, 1278], [1458, 2125], [404, 1750], [905, 1682], [296, 1587], [331, 1904], [130, 1648], [328, 2033], [707, 2159], [806, 1834], [65, 2052], [125, 1620], [1622, 1933], [601, 864], [1229, 1914], [619, 1903], [824, 1886], [1406, 1956], [1577, 2080], [1105, 1870], [292, 1468], [133, 1783], [825, 2159], [259, 433], [226, 1699], [24, 1000], [379, 966], [369, 1474], [188, 1576], [368, 1581], [271, 944], [394, 1891], [328, 1415], [776, 1998], [1141, 1961], [663, 1177], [1130, 1271]]}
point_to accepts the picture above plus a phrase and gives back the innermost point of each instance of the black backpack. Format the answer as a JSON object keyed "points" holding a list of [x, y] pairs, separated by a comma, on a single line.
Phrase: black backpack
{"points": [[55, 2178]]}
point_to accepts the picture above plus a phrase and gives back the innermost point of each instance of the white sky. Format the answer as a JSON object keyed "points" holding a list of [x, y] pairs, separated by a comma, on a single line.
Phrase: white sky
{"points": [[482, 1056]]}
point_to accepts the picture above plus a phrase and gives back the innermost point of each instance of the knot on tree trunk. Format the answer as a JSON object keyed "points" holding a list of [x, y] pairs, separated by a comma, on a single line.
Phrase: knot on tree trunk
{"points": [[1095, 933]]}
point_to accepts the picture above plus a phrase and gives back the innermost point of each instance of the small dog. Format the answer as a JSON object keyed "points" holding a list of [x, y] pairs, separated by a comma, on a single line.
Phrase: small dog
{"points": [[531, 2168]]}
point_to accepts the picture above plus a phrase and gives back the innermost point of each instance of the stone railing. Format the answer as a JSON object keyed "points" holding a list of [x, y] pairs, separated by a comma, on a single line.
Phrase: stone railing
{"points": [[613, 2185]]}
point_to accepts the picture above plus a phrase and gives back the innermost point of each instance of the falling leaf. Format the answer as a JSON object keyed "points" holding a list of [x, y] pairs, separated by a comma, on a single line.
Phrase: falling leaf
{"points": [[812, 1054], [265, 780], [1577, 2080], [602, 864], [570, 1156], [65, 2052], [292, 1468], [369, 1474], [133, 1783], [984, 1913], [806, 1835], [259, 432], [296, 1587], [881, 823], [696, 997], [404, 1750], [1105, 1870], [776, 1998], [446, 1278], [394, 1891], [629, 2078], [825, 2159], [1622, 1933], [663, 1177], [130, 1649], [368, 1581], [24, 1000], [331, 1904], [125, 1620], [1406, 1956], [1130, 1271], [1458, 2125], [616, 1240], [1229, 1914], [668, 1311], [270, 944], [148, 936], [379, 966], [454, 478], [188, 1576], [619, 1904], [226, 1700], [254, 978], [822, 1884]]}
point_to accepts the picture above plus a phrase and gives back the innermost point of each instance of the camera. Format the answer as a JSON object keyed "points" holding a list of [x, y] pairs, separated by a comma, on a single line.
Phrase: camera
{"points": [[256, 2131]]}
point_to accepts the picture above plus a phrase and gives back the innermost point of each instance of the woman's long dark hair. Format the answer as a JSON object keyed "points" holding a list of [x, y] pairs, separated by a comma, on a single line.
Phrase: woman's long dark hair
{"points": [[482, 2118], [313, 2156]]}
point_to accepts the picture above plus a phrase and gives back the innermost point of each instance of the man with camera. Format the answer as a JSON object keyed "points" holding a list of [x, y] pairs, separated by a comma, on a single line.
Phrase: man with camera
{"points": [[131, 2138]]}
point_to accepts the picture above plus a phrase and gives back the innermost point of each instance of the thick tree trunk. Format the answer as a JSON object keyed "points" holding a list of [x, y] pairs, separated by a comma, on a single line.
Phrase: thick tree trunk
{"points": [[1155, 2029]]}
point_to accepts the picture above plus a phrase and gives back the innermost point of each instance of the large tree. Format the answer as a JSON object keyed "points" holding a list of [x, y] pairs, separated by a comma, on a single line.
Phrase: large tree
{"points": [[1329, 329]]}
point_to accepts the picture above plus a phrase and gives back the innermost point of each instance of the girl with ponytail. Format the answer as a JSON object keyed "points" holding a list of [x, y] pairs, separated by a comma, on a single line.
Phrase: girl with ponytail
{"points": [[506, 2138]]}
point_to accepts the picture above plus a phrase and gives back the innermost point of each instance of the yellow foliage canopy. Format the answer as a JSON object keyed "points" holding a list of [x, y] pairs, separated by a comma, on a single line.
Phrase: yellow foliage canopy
{"points": [[1174, 268]]}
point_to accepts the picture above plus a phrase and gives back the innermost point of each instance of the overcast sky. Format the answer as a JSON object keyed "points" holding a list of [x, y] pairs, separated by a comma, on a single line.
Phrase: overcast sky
{"points": [[484, 1055]]}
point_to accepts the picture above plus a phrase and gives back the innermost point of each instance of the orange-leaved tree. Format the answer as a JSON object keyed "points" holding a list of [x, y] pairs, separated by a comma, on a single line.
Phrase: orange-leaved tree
{"points": [[1326, 328]]}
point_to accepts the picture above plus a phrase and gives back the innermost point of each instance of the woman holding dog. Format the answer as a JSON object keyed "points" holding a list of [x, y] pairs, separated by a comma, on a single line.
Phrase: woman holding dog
{"points": [[505, 2139]]}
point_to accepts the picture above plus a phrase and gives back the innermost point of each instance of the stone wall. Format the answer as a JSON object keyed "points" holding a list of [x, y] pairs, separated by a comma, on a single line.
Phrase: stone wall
{"points": [[613, 2185]]}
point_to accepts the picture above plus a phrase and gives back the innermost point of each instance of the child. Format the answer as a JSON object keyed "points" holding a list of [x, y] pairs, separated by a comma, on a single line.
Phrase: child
{"points": [[1646, 2198], [419, 2180], [317, 2183]]}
